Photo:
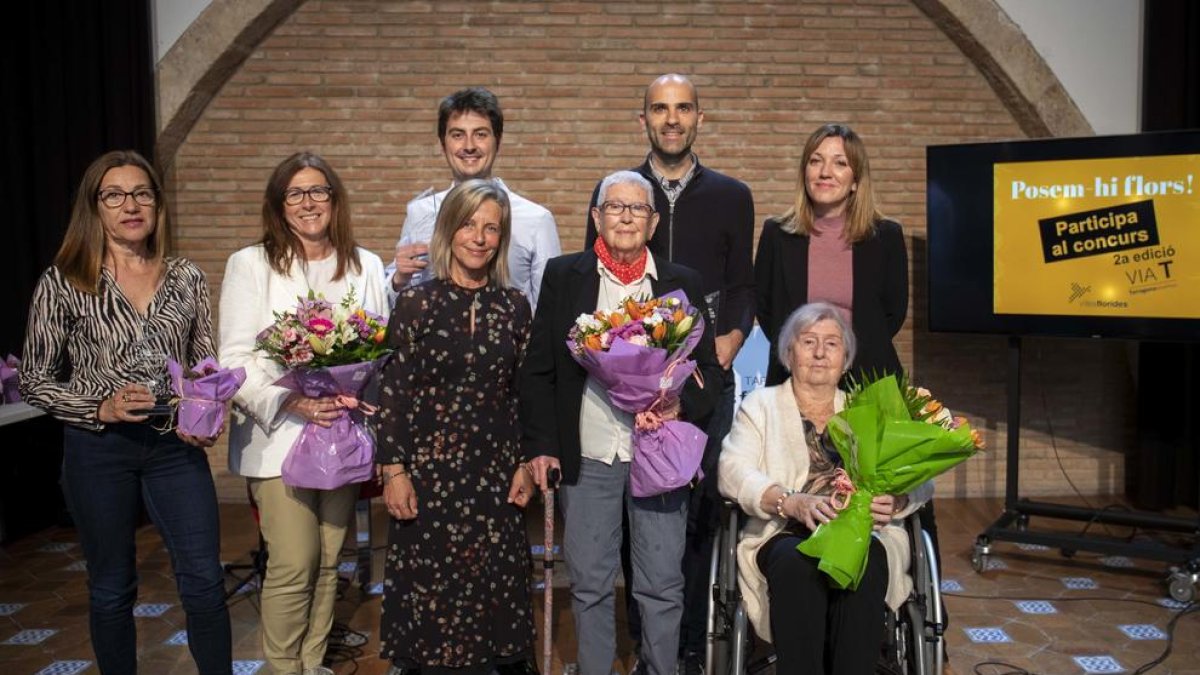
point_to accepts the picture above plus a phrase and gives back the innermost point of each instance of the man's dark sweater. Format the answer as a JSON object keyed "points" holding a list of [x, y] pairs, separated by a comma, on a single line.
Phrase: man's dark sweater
{"points": [[711, 230]]}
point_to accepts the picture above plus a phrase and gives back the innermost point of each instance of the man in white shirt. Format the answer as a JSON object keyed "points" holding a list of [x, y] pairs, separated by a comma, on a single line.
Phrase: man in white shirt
{"points": [[470, 126]]}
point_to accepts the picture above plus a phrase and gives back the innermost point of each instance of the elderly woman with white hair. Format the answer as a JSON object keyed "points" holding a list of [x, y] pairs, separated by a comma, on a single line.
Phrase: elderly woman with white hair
{"points": [[779, 465], [568, 422]]}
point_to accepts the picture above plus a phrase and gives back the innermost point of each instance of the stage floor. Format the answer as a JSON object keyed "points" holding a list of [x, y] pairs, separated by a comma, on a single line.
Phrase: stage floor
{"points": [[1033, 609]]}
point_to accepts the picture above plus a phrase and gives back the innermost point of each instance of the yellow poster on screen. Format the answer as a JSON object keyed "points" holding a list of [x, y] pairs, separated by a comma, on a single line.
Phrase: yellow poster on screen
{"points": [[1116, 237]]}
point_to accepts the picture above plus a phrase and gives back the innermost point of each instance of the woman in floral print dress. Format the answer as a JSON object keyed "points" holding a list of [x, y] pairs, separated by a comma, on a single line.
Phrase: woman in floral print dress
{"points": [[457, 590]]}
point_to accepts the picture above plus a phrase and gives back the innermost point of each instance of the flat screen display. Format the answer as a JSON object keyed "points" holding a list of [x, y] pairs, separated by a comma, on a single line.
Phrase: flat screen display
{"points": [[1078, 237]]}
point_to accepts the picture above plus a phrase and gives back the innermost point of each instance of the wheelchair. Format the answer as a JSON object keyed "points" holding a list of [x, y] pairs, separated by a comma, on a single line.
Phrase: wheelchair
{"points": [[913, 637]]}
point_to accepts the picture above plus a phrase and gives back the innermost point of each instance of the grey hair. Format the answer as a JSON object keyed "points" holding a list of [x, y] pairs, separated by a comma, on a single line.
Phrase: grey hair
{"points": [[623, 177], [805, 317]]}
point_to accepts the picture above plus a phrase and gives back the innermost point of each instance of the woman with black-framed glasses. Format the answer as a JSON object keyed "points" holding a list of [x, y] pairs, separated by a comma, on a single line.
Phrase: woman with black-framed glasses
{"points": [[103, 321], [307, 245]]}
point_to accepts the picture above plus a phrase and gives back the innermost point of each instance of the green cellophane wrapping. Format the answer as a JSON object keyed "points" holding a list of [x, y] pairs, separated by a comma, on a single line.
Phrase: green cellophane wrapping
{"points": [[884, 451]]}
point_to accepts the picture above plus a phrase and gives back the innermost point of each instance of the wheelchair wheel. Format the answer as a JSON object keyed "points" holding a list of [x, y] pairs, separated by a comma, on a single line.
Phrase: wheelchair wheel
{"points": [[917, 629], [728, 628]]}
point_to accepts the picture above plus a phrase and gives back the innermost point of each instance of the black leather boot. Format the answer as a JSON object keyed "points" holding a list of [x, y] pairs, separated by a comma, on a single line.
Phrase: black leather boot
{"points": [[525, 667]]}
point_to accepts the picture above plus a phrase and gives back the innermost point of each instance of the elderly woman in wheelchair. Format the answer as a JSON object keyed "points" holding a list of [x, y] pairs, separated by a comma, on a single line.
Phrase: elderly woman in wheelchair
{"points": [[779, 466]]}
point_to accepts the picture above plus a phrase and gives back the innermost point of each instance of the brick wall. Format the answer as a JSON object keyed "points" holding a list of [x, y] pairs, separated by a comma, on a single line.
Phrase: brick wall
{"points": [[359, 82]]}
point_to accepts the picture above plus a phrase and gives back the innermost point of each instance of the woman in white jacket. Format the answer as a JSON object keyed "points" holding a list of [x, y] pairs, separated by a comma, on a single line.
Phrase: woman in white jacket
{"points": [[307, 245], [779, 465]]}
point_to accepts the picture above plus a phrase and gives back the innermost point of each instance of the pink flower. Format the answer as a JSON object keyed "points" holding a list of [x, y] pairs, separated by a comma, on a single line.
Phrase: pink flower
{"points": [[639, 339], [299, 356], [320, 325]]}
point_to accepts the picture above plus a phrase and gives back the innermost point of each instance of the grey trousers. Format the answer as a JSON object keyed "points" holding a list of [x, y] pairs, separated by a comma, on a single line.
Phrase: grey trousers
{"points": [[592, 548]]}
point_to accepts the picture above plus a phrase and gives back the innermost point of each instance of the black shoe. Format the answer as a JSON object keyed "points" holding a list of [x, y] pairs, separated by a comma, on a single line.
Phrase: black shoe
{"points": [[526, 667], [692, 663]]}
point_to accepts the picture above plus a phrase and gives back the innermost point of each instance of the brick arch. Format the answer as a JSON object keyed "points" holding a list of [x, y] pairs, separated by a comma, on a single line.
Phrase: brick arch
{"points": [[359, 81], [200, 62], [217, 43], [1017, 72]]}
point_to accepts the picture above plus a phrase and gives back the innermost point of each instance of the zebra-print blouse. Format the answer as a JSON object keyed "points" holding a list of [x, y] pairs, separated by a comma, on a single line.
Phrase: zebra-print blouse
{"points": [[80, 348]]}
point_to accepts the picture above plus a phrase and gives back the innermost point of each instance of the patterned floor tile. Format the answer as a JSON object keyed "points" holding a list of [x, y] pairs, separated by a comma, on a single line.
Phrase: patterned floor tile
{"points": [[1172, 603], [539, 550], [1102, 663], [247, 667], [1118, 561], [65, 668], [350, 638], [151, 609], [1080, 583], [77, 566], [1036, 607], [251, 586], [1033, 547], [57, 547], [994, 563], [987, 634], [1143, 631], [10, 608], [363, 537], [951, 586], [178, 639], [30, 637], [347, 567], [375, 588]]}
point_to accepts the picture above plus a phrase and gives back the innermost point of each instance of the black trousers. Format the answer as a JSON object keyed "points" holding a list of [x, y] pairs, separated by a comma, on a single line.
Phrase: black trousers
{"points": [[818, 629]]}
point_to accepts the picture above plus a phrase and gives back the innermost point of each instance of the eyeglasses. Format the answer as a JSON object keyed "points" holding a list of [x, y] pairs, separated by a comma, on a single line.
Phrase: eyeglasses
{"points": [[639, 210], [317, 193], [115, 199]]}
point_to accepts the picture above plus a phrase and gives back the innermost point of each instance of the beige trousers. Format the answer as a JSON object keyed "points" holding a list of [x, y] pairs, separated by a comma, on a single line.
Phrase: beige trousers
{"points": [[304, 531]]}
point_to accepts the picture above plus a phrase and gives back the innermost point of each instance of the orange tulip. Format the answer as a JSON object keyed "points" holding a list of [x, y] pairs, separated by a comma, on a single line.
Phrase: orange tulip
{"points": [[634, 309], [379, 336], [977, 439], [677, 316], [616, 319], [659, 332], [592, 342]]}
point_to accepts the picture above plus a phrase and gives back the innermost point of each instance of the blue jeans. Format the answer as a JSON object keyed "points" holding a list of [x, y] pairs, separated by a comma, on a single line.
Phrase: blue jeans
{"points": [[105, 474]]}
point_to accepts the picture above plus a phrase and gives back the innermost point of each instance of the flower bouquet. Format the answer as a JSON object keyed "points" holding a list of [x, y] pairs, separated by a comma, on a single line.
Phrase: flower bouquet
{"points": [[330, 350], [638, 353], [9, 379], [892, 438], [202, 392]]}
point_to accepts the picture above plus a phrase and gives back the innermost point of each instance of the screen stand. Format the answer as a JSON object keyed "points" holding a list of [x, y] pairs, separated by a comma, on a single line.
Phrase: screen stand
{"points": [[1014, 524]]}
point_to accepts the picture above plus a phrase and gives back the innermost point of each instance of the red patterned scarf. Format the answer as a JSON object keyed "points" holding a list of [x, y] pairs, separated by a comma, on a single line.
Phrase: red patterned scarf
{"points": [[627, 273]]}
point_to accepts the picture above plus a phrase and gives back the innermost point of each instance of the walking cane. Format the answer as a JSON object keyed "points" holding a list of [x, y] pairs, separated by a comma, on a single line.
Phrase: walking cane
{"points": [[552, 478]]}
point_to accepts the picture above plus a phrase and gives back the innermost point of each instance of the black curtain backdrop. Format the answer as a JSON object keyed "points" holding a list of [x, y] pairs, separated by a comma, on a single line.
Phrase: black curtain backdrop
{"points": [[1163, 470], [80, 82]]}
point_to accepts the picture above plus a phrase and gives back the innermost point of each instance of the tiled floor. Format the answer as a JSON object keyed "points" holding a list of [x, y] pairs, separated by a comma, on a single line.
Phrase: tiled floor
{"points": [[1032, 608]]}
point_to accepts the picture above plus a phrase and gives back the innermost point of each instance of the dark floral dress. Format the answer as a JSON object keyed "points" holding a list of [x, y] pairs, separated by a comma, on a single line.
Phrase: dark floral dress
{"points": [[457, 583]]}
